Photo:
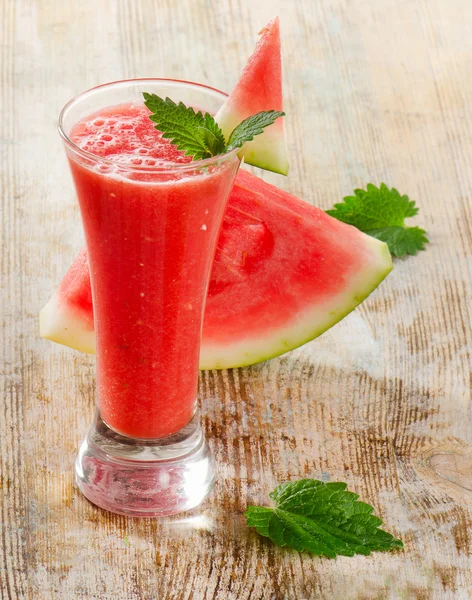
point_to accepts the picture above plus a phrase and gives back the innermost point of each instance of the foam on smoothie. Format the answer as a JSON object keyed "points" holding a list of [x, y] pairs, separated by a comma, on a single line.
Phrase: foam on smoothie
{"points": [[125, 134]]}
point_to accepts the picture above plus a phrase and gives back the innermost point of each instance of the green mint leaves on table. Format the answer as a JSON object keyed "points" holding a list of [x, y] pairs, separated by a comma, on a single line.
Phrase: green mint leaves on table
{"points": [[198, 134], [321, 518], [381, 213]]}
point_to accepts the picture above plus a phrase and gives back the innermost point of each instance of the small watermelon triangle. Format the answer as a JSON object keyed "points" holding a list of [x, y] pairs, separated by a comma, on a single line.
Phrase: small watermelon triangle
{"points": [[260, 88]]}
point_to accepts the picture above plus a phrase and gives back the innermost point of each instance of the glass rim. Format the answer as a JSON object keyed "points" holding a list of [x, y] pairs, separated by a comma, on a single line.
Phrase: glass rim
{"points": [[192, 165]]}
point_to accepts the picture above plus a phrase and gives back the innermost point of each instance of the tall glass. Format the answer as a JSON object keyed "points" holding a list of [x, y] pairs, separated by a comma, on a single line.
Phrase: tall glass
{"points": [[151, 234]]}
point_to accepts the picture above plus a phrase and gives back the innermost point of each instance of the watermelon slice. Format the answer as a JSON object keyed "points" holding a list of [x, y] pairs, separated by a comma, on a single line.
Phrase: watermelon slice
{"points": [[284, 272], [259, 88]]}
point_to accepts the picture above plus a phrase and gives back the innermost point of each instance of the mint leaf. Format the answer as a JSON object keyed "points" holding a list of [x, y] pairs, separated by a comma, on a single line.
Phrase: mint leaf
{"points": [[374, 208], [381, 213], [401, 240], [197, 134], [213, 136], [252, 126], [321, 518]]}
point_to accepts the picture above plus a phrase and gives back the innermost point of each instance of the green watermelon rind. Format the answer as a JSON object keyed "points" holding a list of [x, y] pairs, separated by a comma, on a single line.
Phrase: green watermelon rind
{"points": [[304, 328], [268, 153]]}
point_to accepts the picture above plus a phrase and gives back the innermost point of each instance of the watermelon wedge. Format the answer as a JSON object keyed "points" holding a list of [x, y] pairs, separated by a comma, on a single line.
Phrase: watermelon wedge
{"points": [[284, 272], [259, 88]]}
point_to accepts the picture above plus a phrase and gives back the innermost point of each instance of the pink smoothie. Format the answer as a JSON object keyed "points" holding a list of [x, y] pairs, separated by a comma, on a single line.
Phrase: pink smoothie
{"points": [[151, 236]]}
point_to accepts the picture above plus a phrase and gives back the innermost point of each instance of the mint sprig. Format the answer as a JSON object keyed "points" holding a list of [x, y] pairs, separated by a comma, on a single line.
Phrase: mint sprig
{"points": [[321, 518], [197, 134], [381, 213]]}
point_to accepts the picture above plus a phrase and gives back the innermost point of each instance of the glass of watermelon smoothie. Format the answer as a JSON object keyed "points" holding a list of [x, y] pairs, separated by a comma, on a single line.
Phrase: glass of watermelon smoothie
{"points": [[151, 218]]}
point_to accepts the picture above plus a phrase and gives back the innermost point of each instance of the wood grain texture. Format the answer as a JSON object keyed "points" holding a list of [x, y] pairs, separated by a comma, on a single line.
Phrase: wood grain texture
{"points": [[375, 91]]}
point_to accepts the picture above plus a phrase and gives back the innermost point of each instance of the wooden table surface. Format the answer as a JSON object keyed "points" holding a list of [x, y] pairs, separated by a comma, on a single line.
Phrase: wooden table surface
{"points": [[375, 91]]}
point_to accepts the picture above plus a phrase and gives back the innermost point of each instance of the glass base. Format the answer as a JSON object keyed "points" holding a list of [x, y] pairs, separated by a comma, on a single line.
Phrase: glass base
{"points": [[145, 478]]}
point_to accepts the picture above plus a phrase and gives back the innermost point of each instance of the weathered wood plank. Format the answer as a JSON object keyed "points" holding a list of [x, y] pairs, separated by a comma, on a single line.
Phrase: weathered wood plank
{"points": [[374, 92]]}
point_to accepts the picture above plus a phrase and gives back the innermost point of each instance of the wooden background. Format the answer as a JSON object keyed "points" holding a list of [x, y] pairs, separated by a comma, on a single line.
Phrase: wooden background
{"points": [[375, 91]]}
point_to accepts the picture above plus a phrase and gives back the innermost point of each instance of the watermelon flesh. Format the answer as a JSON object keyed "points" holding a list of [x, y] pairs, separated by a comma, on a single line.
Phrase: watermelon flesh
{"points": [[284, 272], [259, 88]]}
